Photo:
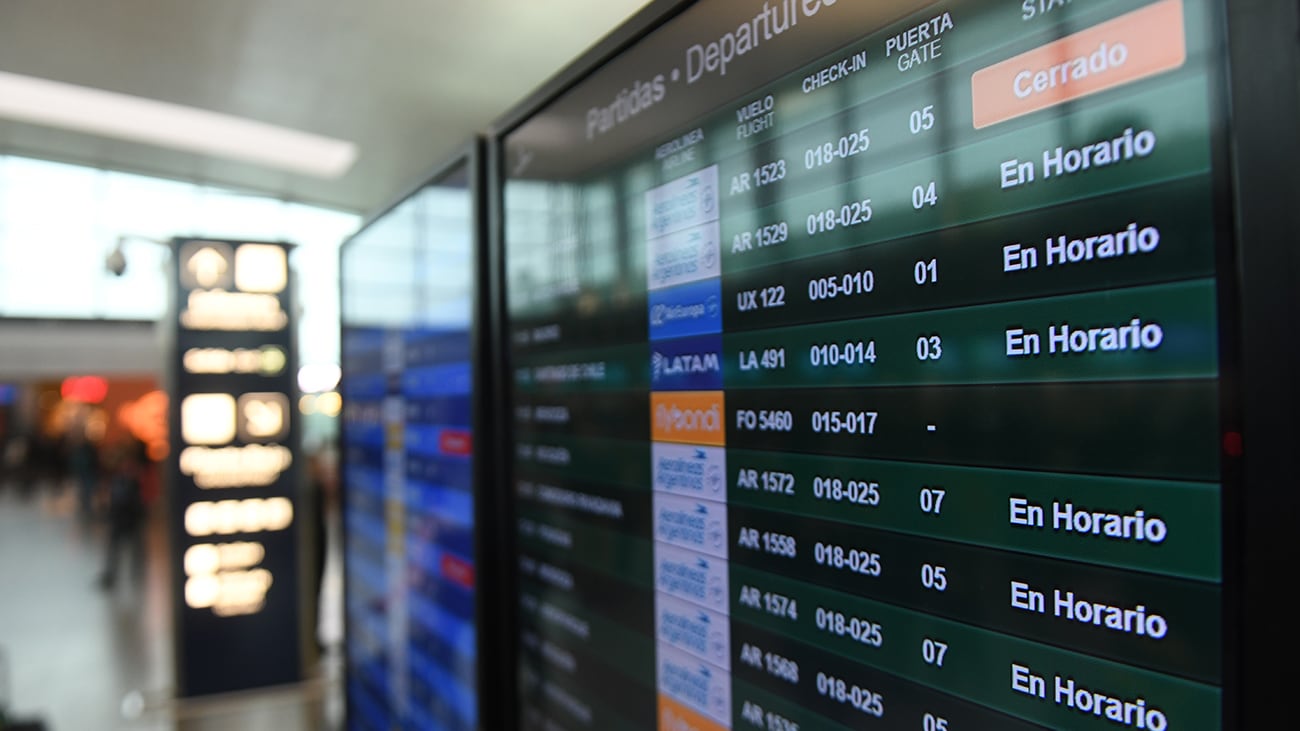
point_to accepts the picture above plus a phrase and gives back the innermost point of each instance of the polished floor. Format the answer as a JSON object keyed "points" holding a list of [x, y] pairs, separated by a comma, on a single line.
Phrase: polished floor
{"points": [[79, 658]]}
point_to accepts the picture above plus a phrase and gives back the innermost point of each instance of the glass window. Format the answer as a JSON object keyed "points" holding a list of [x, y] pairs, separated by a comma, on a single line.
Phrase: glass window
{"points": [[59, 222]]}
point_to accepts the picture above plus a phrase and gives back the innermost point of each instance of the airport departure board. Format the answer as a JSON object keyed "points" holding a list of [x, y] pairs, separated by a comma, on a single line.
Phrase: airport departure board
{"points": [[408, 465], [864, 371]]}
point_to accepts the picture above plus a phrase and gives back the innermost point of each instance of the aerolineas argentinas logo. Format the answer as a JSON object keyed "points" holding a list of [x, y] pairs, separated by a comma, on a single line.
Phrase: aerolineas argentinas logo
{"points": [[689, 469], [683, 203], [683, 257], [688, 417], [687, 364]]}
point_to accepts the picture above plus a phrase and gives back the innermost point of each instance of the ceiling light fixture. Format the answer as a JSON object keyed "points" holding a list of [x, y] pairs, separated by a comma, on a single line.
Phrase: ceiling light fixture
{"points": [[109, 114]]}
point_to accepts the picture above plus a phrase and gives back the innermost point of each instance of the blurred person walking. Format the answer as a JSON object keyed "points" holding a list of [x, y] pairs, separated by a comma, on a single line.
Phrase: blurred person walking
{"points": [[83, 464], [15, 462], [126, 513]]}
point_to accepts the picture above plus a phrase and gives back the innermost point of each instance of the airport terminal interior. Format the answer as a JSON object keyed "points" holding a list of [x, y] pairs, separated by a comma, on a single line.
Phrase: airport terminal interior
{"points": [[682, 365]]}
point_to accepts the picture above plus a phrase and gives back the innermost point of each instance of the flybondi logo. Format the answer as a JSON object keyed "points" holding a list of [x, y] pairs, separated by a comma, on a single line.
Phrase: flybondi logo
{"points": [[688, 417], [672, 419]]}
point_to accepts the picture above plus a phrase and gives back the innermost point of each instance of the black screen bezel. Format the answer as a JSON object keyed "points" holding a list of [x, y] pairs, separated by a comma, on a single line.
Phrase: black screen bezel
{"points": [[1256, 189]]}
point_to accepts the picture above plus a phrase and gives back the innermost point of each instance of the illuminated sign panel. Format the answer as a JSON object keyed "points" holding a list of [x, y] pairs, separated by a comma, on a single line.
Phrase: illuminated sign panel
{"points": [[867, 370], [234, 470]]}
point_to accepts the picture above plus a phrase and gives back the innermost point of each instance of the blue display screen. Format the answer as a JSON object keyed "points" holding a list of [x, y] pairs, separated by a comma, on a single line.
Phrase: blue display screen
{"points": [[408, 450]]}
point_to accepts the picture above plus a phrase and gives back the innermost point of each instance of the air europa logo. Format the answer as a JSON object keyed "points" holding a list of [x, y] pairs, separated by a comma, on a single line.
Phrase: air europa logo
{"points": [[686, 310], [665, 314], [692, 417]]}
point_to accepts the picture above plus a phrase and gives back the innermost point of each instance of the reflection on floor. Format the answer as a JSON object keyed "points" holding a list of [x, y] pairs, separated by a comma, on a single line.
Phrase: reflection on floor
{"points": [[84, 659]]}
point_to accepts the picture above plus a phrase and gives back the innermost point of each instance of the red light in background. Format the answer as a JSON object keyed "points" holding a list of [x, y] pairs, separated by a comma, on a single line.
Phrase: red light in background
{"points": [[146, 419], [1232, 444], [85, 389]]}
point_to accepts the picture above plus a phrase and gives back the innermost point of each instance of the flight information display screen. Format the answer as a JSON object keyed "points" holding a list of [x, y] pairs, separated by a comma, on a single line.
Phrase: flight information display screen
{"points": [[864, 366], [408, 464]]}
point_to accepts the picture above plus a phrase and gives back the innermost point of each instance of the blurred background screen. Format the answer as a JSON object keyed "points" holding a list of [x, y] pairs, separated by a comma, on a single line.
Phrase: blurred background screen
{"points": [[407, 463]]}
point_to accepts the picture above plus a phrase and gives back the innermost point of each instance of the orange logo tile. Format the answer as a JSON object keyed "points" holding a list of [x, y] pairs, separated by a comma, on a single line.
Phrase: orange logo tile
{"points": [[688, 417], [1142, 43], [674, 716]]}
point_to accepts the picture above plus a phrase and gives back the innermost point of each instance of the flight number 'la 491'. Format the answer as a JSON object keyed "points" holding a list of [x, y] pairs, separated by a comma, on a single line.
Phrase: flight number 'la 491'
{"points": [[770, 359]]}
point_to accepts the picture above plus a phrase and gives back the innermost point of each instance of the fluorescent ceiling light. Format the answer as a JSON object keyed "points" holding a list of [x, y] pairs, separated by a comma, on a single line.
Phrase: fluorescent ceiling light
{"points": [[109, 114]]}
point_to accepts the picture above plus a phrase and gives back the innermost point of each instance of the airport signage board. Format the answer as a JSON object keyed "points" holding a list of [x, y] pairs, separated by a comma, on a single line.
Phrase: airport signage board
{"points": [[233, 498]]}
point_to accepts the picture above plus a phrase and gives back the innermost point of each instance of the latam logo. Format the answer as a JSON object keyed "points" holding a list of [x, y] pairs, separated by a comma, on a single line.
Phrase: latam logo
{"points": [[687, 364], [688, 417], [686, 310]]}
